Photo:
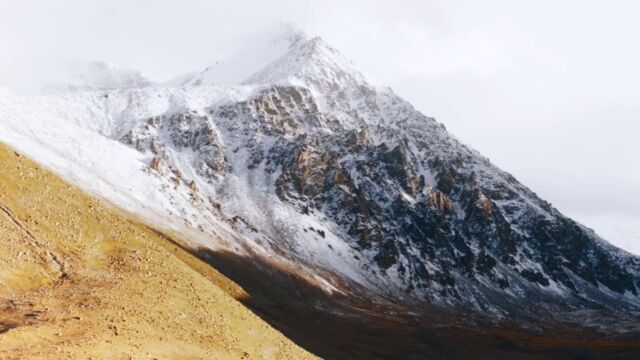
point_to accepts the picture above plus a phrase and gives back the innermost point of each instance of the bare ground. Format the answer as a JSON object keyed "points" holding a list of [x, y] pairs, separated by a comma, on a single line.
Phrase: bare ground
{"points": [[80, 280]]}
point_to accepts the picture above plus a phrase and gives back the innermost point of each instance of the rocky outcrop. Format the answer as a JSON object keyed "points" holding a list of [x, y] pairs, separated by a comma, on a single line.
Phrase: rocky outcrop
{"points": [[188, 131]]}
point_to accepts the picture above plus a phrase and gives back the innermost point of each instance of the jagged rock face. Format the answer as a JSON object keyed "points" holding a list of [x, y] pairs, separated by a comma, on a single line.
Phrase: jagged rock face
{"points": [[421, 213], [183, 131], [277, 110], [434, 217]]}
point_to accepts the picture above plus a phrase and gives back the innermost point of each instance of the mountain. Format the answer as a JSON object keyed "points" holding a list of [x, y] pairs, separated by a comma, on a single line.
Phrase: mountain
{"points": [[233, 69], [318, 191]]}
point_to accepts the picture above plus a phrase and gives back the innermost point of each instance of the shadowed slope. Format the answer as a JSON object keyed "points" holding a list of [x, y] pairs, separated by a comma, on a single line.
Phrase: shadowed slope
{"points": [[335, 326]]}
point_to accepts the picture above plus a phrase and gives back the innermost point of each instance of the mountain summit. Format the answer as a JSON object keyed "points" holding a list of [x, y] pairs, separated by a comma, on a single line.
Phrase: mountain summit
{"points": [[339, 195], [311, 63]]}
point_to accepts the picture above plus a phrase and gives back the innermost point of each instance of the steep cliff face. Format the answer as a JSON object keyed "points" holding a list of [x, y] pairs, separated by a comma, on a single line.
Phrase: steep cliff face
{"points": [[308, 163]]}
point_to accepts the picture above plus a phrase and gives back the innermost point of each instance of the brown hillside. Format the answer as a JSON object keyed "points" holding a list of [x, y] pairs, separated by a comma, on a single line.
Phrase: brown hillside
{"points": [[79, 280]]}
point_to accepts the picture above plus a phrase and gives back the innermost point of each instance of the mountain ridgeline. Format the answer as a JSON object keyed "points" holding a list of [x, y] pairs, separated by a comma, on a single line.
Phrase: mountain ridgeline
{"points": [[419, 211], [342, 196]]}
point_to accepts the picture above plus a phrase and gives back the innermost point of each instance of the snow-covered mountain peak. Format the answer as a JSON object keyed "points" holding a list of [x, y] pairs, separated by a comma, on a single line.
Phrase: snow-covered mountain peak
{"points": [[205, 77], [312, 63], [338, 88], [232, 68]]}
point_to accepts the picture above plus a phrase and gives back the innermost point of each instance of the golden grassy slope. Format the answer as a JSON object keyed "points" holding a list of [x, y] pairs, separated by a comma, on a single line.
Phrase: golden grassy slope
{"points": [[79, 280]]}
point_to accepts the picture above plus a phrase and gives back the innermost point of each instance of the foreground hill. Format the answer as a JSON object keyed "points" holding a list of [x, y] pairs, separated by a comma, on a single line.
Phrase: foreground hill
{"points": [[80, 280]]}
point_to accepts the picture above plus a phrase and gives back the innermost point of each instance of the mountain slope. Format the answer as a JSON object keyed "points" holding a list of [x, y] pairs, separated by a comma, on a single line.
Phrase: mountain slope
{"points": [[79, 280], [357, 165], [339, 193]]}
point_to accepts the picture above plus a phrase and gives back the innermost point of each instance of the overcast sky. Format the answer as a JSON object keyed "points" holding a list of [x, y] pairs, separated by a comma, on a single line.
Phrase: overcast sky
{"points": [[548, 90]]}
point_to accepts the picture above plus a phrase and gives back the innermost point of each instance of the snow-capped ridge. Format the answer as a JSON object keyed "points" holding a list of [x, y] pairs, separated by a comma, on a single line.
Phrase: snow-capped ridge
{"points": [[338, 87], [310, 62], [232, 69]]}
